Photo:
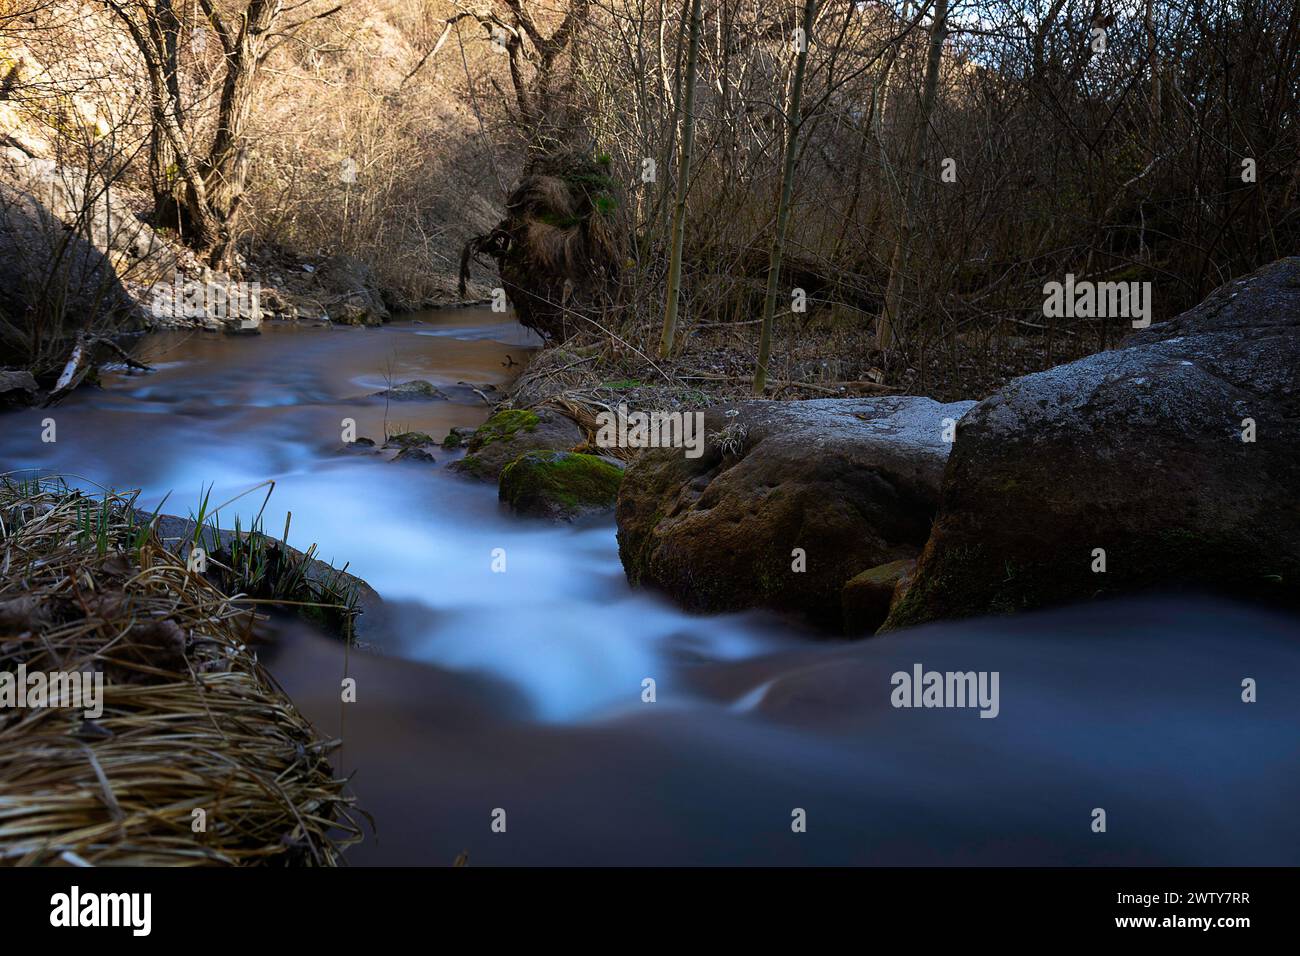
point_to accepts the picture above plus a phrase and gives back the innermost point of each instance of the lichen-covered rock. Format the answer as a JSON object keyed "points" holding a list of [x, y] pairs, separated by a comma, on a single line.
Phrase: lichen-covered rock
{"points": [[508, 434], [106, 218], [788, 502], [51, 278], [1175, 459], [560, 485], [866, 598]]}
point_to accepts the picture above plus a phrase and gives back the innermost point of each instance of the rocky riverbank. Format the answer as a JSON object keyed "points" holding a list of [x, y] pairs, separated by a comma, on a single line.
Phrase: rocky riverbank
{"points": [[1163, 464], [1167, 464], [81, 267]]}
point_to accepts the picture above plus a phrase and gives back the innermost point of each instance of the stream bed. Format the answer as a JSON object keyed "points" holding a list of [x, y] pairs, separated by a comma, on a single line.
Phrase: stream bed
{"points": [[522, 691]]}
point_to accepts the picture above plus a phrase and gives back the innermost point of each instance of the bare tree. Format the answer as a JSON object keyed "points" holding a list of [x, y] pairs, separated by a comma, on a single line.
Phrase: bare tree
{"points": [[888, 328], [683, 186], [793, 121], [197, 190]]}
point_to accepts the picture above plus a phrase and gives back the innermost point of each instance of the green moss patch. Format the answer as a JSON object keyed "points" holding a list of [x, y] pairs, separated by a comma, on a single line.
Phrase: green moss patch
{"points": [[560, 485], [458, 437], [503, 426]]}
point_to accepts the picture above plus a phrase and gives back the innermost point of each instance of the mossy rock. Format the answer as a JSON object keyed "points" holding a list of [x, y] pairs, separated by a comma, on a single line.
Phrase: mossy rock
{"points": [[414, 453], [472, 466], [841, 484], [457, 438], [508, 434], [503, 426], [409, 440], [560, 485]]}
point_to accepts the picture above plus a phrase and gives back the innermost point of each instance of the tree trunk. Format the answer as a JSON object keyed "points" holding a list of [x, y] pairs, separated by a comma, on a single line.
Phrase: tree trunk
{"points": [[162, 157], [888, 330], [793, 121], [199, 195], [683, 187], [227, 164], [1153, 64]]}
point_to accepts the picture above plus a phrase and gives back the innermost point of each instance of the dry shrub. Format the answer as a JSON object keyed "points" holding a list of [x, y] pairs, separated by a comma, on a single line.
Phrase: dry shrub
{"points": [[358, 155]]}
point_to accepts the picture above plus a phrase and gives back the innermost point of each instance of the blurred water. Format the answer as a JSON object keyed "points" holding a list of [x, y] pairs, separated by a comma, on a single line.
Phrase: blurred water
{"points": [[522, 689], [560, 626]]}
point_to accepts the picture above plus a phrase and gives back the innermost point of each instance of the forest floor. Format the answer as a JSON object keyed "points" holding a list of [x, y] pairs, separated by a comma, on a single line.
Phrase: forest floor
{"points": [[716, 365]]}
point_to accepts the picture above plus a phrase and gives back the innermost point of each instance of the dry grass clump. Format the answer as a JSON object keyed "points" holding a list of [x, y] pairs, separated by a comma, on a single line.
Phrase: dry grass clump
{"points": [[191, 721]]}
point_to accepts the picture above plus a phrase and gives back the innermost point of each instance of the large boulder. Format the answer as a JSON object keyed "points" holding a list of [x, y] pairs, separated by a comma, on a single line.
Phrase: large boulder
{"points": [[560, 485], [1175, 460], [18, 388], [511, 432], [852, 483], [54, 282]]}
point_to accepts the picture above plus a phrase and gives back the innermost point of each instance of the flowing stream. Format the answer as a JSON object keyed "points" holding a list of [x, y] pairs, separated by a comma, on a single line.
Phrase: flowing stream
{"points": [[522, 690]]}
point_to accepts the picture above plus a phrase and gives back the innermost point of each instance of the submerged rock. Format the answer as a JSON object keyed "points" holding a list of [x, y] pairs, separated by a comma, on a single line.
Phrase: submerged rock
{"points": [[508, 434], [787, 503], [413, 453], [416, 390], [1172, 463], [560, 485], [473, 394], [362, 446]]}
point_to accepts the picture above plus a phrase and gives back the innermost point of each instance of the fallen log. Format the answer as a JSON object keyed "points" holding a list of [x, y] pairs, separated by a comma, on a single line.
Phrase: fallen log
{"points": [[81, 362]]}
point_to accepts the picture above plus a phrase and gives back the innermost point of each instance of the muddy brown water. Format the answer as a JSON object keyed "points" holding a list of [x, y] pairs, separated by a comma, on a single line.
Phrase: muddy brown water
{"points": [[522, 691]]}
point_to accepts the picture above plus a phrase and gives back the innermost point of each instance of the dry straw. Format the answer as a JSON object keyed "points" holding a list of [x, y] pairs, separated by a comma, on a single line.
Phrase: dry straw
{"points": [[191, 721]]}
